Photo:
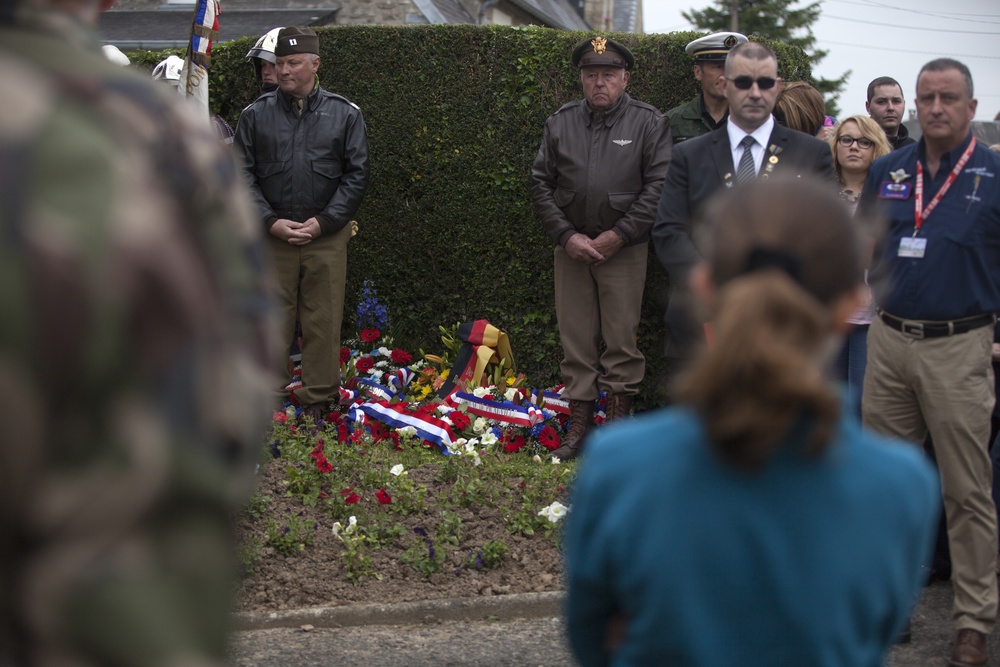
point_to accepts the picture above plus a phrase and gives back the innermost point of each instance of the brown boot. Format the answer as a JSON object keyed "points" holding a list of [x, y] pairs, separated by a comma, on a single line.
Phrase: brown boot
{"points": [[969, 649], [618, 406], [581, 416]]}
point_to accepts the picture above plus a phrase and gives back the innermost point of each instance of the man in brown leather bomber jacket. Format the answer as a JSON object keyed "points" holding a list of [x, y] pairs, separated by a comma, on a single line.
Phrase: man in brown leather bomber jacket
{"points": [[595, 185]]}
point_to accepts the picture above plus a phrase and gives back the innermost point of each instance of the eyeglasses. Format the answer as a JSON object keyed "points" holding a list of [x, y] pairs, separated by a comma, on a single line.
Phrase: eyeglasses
{"points": [[848, 141], [746, 82]]}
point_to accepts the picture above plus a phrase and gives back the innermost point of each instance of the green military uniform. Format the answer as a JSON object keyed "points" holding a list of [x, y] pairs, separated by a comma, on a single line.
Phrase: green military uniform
{"points": [[132, 350], [690, 120]]}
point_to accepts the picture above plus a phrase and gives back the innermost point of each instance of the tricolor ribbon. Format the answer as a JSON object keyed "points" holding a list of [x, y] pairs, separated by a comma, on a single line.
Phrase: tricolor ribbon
{"points": [[398, 416], [373, 388], [502, 411]]}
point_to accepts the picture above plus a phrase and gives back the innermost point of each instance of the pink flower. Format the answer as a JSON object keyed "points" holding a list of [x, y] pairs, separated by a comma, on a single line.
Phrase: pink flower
{"points": [[280, 416]]}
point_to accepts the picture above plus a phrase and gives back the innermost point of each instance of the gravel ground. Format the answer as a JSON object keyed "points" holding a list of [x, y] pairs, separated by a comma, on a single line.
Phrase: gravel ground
{"points": [[491, 636]]}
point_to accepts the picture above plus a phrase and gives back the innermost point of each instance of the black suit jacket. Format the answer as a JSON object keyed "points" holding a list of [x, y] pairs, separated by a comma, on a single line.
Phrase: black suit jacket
{"points": [[699, 168]]}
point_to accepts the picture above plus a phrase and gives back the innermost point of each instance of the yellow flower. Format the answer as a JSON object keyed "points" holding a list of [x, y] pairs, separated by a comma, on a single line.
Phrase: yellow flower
{"points": [[510, 381]]}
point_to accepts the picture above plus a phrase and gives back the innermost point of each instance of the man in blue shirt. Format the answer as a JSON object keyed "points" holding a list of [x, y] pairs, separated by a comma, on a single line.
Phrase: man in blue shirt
{"points": [[936, 280]]}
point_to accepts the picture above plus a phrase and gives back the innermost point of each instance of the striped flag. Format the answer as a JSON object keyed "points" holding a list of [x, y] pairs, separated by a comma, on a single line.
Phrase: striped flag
{"points": [[197, 60]]}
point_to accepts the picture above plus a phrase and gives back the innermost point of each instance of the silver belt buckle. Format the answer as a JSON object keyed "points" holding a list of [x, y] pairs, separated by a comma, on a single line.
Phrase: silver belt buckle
{"points": [[914, 329]]}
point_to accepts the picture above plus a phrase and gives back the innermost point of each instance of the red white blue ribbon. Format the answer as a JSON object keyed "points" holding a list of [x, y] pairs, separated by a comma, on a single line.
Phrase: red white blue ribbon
{"points": [[502, 411], [398, 416]]}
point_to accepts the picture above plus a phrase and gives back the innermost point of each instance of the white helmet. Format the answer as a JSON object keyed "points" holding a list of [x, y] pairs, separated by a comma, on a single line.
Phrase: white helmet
{"points": [[264, 47], [115, 55], [169, 70]]}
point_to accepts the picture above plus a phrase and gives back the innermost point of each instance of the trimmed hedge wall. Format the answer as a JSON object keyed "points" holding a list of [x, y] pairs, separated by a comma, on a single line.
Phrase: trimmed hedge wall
{"points": [[454, 117]]}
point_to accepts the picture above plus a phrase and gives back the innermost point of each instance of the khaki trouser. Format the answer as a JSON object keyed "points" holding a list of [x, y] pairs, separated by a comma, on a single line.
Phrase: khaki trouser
{"points": [[311, 281], [595, 302], [945, 386]]}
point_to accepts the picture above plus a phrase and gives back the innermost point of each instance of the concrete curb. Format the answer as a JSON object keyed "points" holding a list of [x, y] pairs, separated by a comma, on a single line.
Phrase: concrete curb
{"points": [[501, 607]]}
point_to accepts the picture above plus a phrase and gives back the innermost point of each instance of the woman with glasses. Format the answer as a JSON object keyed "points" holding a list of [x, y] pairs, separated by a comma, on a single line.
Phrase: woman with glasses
{"points": [[855, 143], [753, 523]]}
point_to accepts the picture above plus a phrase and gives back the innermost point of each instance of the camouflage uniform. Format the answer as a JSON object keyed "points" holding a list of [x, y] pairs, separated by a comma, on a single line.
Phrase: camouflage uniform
{"points": [[690, 120], [132, 350]]}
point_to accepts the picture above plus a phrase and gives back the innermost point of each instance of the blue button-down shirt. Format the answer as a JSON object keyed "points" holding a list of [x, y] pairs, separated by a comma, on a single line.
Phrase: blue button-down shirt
{"points": [[959, 274]]}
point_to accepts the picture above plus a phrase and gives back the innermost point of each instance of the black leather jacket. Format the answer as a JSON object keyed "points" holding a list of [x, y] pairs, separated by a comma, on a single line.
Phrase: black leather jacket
{"points": [[298, 168]]}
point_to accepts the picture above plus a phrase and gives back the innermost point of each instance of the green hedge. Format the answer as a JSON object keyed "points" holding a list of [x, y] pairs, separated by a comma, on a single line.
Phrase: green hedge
{"points": [[454, 116]]}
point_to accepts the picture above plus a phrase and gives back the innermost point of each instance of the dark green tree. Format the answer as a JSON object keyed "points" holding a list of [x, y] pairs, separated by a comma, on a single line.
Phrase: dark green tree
{"points": [[779, 21]]}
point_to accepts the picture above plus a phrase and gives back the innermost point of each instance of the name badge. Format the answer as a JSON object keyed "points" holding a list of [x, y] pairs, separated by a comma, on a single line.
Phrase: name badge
{"points": [[912, 247], [890, 190]]}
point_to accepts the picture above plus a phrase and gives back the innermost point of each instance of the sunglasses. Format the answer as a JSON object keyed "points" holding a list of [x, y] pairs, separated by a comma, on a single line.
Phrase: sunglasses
{"points": [[746, 82], [847, 141]]}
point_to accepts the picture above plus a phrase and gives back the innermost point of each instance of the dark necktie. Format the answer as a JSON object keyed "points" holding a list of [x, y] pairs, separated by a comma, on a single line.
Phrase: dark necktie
{"points": [[746, 171]]}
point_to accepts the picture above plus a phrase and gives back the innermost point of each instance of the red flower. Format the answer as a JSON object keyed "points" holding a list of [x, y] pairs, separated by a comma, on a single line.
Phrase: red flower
{"points": [[401, 357], [352, 499], [383, 497], [280, 416], [394, 436], [364, 364], [512, 443], [370, 335], [342, 433], [459, 419], [548, 438], [345, 355], [379, 431], [323, 465], [317, 452], [346, 491]]}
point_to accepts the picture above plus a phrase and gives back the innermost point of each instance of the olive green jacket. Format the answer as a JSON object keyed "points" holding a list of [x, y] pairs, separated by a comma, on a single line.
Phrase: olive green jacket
{"points": [[689, 120]]}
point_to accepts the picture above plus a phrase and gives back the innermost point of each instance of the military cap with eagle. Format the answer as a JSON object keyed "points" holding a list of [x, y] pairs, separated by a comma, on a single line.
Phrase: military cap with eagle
{"points": [[715, 46], [602, 52]]}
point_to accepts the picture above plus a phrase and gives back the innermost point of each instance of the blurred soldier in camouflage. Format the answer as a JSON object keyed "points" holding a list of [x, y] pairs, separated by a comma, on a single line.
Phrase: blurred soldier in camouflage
{"points": [[132, 354]]}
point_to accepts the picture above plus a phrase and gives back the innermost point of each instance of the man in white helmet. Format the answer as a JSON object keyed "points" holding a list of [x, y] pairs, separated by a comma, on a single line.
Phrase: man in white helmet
{"points": [[169, 71], [261, 56]]}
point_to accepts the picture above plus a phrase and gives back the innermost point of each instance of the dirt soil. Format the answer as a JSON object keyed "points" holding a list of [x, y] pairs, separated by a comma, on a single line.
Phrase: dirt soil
{"points": [[315, 576]]}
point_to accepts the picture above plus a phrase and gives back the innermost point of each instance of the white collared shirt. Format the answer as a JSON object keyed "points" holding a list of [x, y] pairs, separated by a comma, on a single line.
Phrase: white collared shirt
{"points": [[761, 135]]}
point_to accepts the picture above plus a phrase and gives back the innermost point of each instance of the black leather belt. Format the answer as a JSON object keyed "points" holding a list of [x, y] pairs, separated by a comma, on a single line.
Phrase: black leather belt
{"points": [[922, 329]]}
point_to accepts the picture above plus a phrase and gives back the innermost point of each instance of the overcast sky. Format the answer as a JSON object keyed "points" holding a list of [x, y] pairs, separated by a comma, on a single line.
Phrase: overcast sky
{"points": [[886, 38]]}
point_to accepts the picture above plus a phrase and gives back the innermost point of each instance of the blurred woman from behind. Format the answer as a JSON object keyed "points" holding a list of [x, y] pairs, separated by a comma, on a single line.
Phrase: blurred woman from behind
{"points": [[856, 142], [754, 523]]}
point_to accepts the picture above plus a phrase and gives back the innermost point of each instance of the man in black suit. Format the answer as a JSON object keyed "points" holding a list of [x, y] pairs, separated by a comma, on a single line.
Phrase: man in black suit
{"points": [[702, 166]]}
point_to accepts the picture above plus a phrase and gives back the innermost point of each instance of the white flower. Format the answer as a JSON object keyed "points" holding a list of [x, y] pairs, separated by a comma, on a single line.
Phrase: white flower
{"points": [[536, 458], [384, 351], [475, 458], [407, 430], [479, 392], [397, 470], [352, 525], [556, 460], [290, 411], [470, 446], [488, 439], [381, 364], [510, 394], [447, 421], [479, 425], [554, 512], [377, 374]]}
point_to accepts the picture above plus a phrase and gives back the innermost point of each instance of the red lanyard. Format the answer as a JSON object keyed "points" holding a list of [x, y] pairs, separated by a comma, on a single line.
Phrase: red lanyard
{"points": [[921, 213]]}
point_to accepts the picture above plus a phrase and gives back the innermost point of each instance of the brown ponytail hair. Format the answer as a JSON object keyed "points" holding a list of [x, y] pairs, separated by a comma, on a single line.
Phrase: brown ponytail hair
{"points": [[781, 252]]}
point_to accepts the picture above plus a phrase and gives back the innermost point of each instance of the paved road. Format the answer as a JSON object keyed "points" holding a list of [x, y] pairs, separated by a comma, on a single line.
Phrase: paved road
{"points": [[490, 634]]}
